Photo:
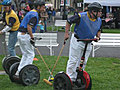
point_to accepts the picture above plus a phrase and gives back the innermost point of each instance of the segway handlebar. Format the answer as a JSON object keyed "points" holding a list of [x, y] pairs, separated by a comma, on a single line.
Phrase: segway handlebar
{"points": [[95, 39], [35, 40]]}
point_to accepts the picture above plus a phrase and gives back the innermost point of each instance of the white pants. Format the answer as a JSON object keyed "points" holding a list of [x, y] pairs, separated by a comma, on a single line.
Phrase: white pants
{"points": [[75, 54], [27, 50]]}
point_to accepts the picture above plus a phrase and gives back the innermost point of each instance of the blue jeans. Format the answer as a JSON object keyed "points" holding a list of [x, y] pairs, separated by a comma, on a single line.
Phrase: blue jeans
{"points": [[45, 25], [11, 43]]}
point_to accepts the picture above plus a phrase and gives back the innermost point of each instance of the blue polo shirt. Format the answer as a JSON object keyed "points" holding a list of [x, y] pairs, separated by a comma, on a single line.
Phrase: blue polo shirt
{"points": [[85, 28]]}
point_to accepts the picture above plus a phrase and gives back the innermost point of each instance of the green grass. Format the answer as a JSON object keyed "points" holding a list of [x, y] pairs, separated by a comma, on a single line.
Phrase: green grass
{"points": [[111, 30], [49, 28], [105, 74], [54, 29]]}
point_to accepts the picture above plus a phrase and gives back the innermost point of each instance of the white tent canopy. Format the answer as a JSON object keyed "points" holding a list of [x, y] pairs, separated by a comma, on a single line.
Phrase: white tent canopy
{"points": [[105, 2]]}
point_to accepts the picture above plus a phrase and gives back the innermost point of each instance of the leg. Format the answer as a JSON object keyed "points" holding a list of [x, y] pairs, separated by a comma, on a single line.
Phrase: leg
{"points": [[27, 51], [45, 25], [11, 43], [74, 57]]}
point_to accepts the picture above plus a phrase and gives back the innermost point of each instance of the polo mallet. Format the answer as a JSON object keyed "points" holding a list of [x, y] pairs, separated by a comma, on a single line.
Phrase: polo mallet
{"points": [[49, 79], [45, 65], [44, 62]]}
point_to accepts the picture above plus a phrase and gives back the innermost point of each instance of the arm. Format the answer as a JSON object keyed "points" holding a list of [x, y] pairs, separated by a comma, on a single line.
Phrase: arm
{"points": [[29, 28], [5, 29], [67, 28], [99, 33], [30, 25], [70, 21], [44, 15], [8, 27]]}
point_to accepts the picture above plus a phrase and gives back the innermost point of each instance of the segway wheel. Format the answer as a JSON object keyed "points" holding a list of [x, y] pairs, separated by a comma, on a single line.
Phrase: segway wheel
{"points": [[29, 75], [3, 61], [12, 72], [8, 61], [62, 82], [88, 80], [83, 81]]}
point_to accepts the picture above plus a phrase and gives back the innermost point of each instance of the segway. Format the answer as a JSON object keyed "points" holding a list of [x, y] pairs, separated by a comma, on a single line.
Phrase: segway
{"points": [[8, 61], [29, 75], [83, 81]]}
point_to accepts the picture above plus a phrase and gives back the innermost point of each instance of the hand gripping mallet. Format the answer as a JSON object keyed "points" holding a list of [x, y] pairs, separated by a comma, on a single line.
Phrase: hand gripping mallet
{"points": [[49, 79]]}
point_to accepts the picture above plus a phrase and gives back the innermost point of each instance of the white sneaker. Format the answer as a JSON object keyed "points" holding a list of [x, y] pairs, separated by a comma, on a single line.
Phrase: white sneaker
{"points": [[17, 73]]}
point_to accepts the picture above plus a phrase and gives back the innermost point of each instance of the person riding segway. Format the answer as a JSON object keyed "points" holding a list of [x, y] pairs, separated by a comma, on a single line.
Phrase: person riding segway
{"points": [[27, 42], [87, 26], [12, 25]]}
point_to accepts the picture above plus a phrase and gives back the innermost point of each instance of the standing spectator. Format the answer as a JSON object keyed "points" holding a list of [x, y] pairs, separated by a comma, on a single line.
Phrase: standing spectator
{"points": [[12, 25], [41, 25], [27, 7], [22, 11], [76, 12], [53, 15], [26, 35], [49, 14], [116, 14], [45, 16], [88, 25]]}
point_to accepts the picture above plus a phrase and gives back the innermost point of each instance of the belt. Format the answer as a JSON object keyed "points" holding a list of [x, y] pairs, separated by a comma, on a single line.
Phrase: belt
{"points": [[76, 36]]}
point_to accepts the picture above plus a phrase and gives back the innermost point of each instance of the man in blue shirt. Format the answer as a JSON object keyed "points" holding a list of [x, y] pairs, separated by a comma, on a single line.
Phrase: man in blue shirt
{"points": [[88, 25], [26, 35]]}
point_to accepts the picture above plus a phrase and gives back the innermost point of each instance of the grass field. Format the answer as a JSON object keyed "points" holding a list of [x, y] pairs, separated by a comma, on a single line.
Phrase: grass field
{"points": [[49, 28], [105, 74], [111, 31]]}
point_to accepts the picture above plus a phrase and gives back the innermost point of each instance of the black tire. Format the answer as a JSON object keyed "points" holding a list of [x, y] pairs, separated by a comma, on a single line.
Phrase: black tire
{"points": [[8, 61], [12, 71], [62, 82], [29, 75], [3, 62]]}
